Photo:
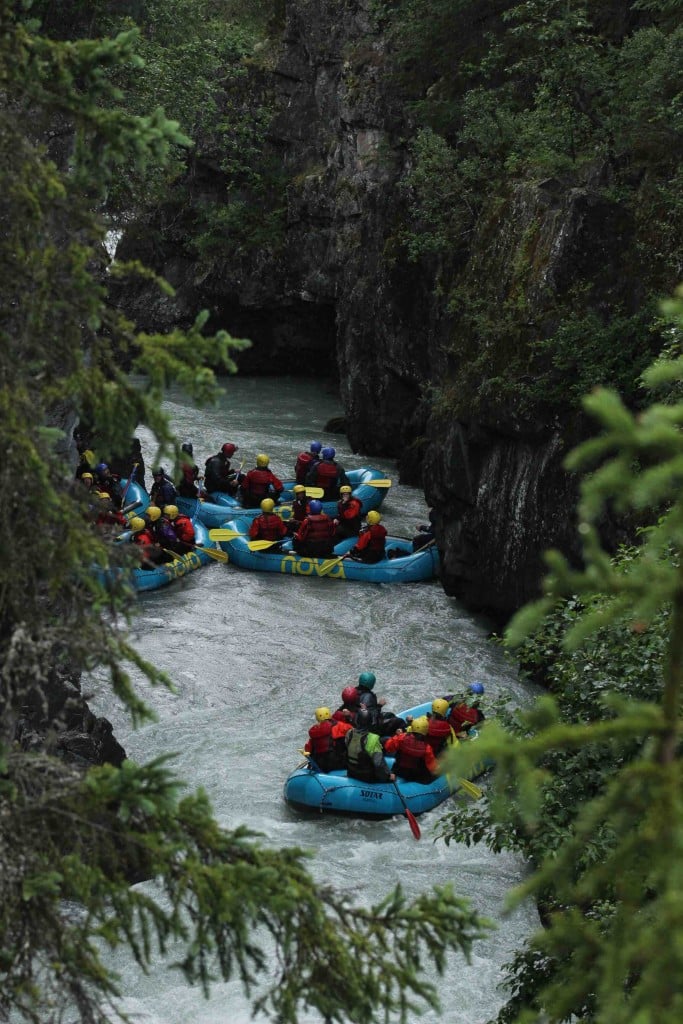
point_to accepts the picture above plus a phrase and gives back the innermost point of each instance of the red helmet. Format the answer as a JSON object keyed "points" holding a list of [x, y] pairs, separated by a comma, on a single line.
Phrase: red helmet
{"points": [[229, 449], [350, 695]]}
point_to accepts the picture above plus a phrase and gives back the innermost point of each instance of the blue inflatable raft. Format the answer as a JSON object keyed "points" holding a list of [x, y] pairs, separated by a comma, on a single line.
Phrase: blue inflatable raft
{"points": [[335, 792], [162, 575], [219, 507], [409, 567]]}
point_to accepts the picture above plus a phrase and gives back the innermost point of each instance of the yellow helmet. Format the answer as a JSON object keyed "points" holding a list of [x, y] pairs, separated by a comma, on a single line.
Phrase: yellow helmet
{"points": [[420, 725], [440, 706], [267, 505], [345, 489], [171, 511], [374, 517], [298, 488], [153, 513], [322, 714], [262, 461], [137, 523], [87, 476]]}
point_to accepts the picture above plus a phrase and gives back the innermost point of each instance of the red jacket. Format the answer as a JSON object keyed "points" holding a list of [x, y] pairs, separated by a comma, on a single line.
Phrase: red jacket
{"points": [[316, 528], [440, 733], [372, 538], [299, 509], [414, 756], [322, 736], [327, 477], [348, 511], [267, 526], [184, 530], [304, 463], [257, 484]]}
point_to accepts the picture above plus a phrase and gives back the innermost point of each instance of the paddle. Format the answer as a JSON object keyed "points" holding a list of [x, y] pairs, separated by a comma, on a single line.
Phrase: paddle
{"points": [[261, 545], [327, 567], [314, 492], [378, 483], [471, 789], [220, 533], [412, 820], [129, 481], [218, 556]]}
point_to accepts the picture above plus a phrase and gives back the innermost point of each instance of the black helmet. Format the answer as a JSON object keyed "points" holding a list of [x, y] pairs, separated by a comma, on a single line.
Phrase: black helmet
{"points": [[363, 719], [186, 447]]}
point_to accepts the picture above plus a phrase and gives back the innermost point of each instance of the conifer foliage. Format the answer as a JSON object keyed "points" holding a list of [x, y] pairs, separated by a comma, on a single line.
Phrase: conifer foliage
{"points": [[589, 783], [71, 842]]}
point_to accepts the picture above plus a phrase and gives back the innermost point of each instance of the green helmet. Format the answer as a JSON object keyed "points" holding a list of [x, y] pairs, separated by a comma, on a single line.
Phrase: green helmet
{"points": [[367, 680]]}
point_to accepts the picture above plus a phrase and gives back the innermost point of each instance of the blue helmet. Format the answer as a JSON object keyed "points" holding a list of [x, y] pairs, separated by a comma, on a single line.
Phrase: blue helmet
{"points": [[476, 688], [328, 453], [315, 507], [315, 447], [367, 680], [101, 467]]}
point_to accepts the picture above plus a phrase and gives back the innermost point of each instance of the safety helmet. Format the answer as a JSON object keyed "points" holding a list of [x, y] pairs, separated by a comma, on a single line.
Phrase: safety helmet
{"points": [[101, 468], [87, 476], [367, 680], [267, 505], [159, 471], [153, 513], [315, 507], [345, 489], [137, 523], [229, 449], [440, 706], [374, 517], [298, 488], [186, 447], [171, 511], [476, 688], [349, 695], [328, 453], [315, 447], [322, 714], [363, 719], [262, 461], [420, 725]]}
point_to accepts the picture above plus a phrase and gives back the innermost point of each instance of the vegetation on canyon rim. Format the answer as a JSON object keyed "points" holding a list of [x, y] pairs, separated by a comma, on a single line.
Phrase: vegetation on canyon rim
{"points": [[588, 782]]}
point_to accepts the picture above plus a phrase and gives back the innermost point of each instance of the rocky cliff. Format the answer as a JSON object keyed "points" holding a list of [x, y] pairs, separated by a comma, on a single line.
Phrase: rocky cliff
{"points": [[336, 290]]}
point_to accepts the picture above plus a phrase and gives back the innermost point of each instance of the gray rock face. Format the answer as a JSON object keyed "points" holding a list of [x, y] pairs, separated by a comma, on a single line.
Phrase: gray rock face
{"points": [[336, 290]]}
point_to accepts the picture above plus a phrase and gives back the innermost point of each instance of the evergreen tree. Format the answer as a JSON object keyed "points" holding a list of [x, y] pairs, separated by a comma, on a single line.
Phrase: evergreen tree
{"points": [[71, 842], [588, 783]]}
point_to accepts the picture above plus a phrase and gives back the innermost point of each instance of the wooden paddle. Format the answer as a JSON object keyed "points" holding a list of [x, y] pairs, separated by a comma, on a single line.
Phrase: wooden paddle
{"points": [[412, 820]]}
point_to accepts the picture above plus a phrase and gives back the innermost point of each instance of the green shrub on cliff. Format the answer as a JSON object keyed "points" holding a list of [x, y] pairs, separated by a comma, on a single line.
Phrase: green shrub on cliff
{"points": [[588, 783], [72, 841]]}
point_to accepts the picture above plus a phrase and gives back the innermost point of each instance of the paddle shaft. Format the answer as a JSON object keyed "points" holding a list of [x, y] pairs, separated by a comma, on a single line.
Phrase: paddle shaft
{"points": [[412, 820]]}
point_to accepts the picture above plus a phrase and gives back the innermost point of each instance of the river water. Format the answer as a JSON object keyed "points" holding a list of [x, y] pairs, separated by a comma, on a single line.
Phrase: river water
{"points": [[253, 654]]}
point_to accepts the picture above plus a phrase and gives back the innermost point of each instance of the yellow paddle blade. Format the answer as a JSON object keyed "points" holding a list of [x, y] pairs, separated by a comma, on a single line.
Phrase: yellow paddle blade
{"points": [[174, 555], [222, 534], [218, 556], [261, 545], [314, 492], [379, 483], [471, 789], [327, 567]]}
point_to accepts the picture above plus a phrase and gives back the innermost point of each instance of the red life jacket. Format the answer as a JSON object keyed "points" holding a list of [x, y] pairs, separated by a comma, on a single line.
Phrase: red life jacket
{"points": [[302, 466], [184, 530], [316, 528], [326, 476], [350, 511], [299, 509], [462, 714], [321, 737], [372, 539], [143, 538], [439, 734], [410, 758], [256, 485], [267, 526]]}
